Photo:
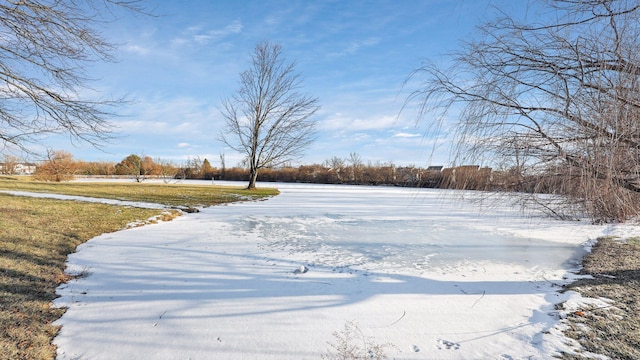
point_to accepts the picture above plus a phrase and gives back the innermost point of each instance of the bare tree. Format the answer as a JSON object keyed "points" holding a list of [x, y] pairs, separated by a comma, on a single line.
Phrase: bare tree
{"points": [[336, 165], [139, 167], [223, 166], [9, 165], [564, 94], [193, 167], [166, 169], [357, 167], [58, 167], [268, 119], [44, 51]]}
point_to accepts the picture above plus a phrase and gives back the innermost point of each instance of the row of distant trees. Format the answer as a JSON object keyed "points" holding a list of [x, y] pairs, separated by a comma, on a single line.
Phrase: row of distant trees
{"points": [[61, 166]]}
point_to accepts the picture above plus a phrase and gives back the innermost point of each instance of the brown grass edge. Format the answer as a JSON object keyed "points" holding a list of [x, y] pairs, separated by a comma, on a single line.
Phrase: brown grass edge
{"points": [[614, 330]]}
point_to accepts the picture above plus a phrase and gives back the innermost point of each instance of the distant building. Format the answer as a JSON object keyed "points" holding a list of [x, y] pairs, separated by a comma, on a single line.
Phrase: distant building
{"points": [[18, 168]]}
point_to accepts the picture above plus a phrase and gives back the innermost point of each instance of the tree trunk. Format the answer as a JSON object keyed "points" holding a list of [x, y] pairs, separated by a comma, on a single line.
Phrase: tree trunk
{"points": [[253, 177]]}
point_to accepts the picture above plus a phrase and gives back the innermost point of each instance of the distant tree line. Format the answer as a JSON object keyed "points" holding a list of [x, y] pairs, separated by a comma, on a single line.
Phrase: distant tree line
{"points": [[60, 166]]}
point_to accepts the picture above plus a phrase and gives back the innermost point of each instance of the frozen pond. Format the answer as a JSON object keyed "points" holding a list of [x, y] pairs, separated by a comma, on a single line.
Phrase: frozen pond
{"points": [[404, 229], [437, 274]]}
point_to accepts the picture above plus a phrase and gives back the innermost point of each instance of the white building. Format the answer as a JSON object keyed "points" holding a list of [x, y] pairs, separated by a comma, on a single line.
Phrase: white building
{"points": [[18, 168]]}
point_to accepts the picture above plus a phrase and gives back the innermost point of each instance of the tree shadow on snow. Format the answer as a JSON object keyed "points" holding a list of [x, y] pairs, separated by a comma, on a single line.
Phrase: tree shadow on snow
{"points": [[213, 277]]}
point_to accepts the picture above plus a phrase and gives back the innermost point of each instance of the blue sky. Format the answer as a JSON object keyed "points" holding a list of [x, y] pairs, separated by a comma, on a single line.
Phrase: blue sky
{"points": [[352, 55]]}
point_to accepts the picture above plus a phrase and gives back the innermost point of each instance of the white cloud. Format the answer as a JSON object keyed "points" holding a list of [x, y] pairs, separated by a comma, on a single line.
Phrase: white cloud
{"points": [[140, 126], [406, 135], [194, 29], [136, 49], [179, 41], [340, 121], [355, 46], [171, 117], [202, 38], [196, 34]]}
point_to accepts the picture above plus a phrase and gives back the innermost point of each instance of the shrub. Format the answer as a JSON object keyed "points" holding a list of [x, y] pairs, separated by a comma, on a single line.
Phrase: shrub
{"points": [[352, 344]]}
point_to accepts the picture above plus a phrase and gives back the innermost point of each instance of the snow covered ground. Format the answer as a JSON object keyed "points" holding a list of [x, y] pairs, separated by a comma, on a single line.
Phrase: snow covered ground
{"points": [[434, 274]]}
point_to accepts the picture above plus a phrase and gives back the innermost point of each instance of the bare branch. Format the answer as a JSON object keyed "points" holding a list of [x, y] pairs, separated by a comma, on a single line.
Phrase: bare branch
{"points": [[45, 48]]}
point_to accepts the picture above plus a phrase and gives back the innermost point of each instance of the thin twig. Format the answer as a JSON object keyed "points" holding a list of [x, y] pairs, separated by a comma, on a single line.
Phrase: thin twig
{"points": [[395, 322], [480, 298]]}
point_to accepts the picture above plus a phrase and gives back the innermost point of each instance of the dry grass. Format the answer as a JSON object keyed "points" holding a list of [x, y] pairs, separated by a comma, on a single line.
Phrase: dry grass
{"points": [[612, 331], [36, 235]]}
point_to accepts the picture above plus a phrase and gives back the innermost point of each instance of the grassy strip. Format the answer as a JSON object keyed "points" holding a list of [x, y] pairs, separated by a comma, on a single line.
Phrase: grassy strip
{"points": [[36, 235], [167, 194], [612, 331]]}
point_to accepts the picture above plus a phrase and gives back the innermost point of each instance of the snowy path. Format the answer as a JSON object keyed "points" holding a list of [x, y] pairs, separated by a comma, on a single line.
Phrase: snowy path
{"points": [[437, 277], [138, 204]]}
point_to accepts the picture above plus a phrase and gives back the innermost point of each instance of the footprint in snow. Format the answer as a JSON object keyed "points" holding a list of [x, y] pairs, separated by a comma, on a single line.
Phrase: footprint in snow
{"points": [[301, 270], [449, 345]]}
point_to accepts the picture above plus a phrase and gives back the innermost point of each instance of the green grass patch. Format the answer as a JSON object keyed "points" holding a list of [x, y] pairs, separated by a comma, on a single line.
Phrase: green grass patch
{"points": [[613, 331], [633, 240], [37, 234], [167, 194]]}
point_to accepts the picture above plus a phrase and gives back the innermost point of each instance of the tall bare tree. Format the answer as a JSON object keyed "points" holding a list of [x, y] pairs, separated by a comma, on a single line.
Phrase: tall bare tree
{"points": [[561, 96], [268, 119], [45, 48], [357, 167]]}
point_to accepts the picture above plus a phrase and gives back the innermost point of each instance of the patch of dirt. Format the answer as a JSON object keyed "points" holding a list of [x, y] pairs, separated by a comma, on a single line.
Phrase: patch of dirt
{"points": [[614, 330]]}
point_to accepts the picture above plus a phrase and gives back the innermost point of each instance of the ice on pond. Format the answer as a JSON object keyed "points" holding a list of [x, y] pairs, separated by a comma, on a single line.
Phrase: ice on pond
{"points": [[378, 228]]}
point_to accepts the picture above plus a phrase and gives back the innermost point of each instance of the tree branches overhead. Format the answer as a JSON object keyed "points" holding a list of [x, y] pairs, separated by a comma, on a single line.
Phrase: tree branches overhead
{"points": [[45, 47], [563, 92]]}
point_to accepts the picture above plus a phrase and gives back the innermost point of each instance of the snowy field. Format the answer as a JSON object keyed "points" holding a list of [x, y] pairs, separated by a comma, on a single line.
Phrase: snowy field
{"points": [[435, 274]]}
